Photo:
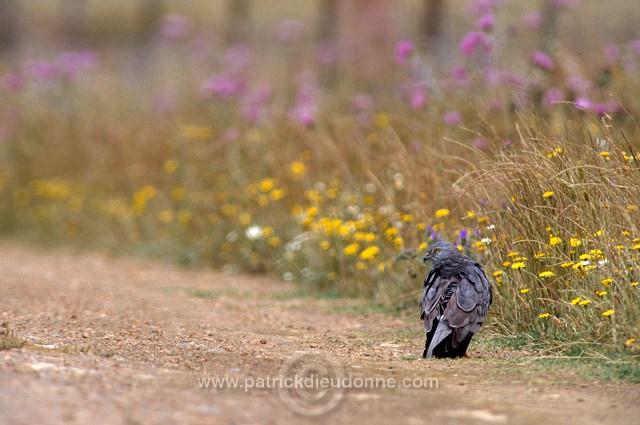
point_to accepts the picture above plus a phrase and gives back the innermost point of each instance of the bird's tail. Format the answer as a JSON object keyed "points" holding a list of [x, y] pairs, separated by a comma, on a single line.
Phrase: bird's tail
{"points": [[442, 331]]}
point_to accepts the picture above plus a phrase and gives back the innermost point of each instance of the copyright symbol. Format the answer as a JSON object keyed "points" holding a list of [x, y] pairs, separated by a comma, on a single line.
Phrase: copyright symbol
{"points": [[311, 384]]}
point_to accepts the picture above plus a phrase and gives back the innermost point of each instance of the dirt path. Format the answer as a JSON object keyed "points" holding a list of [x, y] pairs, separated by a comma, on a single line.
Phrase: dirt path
{"points": [[125, 341]]}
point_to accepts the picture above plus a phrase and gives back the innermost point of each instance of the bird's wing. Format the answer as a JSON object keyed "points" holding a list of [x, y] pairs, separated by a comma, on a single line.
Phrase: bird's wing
{"points": [[432, 295], [469, 303]]}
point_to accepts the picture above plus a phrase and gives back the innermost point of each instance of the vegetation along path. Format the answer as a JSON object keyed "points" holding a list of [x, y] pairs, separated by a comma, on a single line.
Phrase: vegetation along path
{"points": [[89, 338]]}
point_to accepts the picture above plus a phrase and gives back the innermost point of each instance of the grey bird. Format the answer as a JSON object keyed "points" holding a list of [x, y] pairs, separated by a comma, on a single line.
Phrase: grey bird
{"points": [[455, 301]]}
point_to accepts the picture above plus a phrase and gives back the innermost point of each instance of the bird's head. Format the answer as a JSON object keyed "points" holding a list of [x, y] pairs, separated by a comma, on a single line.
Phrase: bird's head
{"points": [[440, 252]]}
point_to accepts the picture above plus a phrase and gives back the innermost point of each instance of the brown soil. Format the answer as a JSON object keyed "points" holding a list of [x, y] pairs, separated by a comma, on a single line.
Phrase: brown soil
{"points": [[124, 340]]}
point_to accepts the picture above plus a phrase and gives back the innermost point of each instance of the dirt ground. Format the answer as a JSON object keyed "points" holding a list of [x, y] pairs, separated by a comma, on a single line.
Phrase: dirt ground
{"points": [[130, 341]]}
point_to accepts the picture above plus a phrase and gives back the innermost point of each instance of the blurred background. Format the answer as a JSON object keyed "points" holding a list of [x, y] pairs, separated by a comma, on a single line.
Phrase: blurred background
{"points": [[331, 141]]}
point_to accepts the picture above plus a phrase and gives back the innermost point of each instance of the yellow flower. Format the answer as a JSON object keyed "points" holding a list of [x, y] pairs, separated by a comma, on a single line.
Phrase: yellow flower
{"points": [[274, 241], [406, 218], [636, 247], [267, 185], [575, 242], [361, 266], [245, 219], [543, 315], [554, 240], [324, 245], [607, 313], [634, 283], [631, 208], [277, 194], [546, 273], [575, 301], [165, 216], [170, 166], [601, 293], [369, 253], [524, 291], [607, 281], [512, 253], [441, 213], [195, 132], [518, 265], [382, 121], [351, 249], [422, 246], [605, 154], [547, 194], [381, 267], [566, 264], [630, 341], [177, 193], [184, 217], [540, 254], [598, 233], [497, 273], [584, 302], [506, 264], [470, 214], [297, 169]]}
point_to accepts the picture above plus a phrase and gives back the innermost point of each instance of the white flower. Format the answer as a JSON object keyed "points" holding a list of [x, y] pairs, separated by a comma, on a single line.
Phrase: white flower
{"points": [[491, 227], [486, 241], [253, 233]]}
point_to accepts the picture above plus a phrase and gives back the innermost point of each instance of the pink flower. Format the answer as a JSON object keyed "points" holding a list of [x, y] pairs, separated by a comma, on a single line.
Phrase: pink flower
{"points": [[543, 60], [480, 143], [404, 49], [551, 96], [486, 22], [73, 63], [474, 41], [634, 46], [583, 103], [41, 70], [223, 86], [451, 118], [460, 75], [611, 53], [12, 82]]}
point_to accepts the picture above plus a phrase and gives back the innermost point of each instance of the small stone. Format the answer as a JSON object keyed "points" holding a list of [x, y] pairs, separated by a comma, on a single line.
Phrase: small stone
{"points": [[313, 345], [263, 341]]}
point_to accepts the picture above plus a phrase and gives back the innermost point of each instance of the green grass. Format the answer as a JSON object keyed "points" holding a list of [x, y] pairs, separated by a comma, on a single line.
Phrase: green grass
{"points": [[9, 341]]}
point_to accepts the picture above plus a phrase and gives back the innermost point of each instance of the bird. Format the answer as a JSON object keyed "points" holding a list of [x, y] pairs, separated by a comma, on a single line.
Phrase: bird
{"points": [[455, 301]]}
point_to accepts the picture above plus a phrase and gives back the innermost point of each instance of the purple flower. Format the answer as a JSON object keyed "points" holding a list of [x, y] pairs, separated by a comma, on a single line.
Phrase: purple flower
{"points": [[583, 103], [417, 96], [486, 22], [223, 86], [464, 233], [474, 41], [175, 27], [363, 102], [255, 102], [553, 95], [460, 75], [634, 47], [578, 84], [451, 118], [12, 82], [611, 53], [327, 52], [404, 49], [480, 143], [41, 70], [543, 60], [73, 63]]}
